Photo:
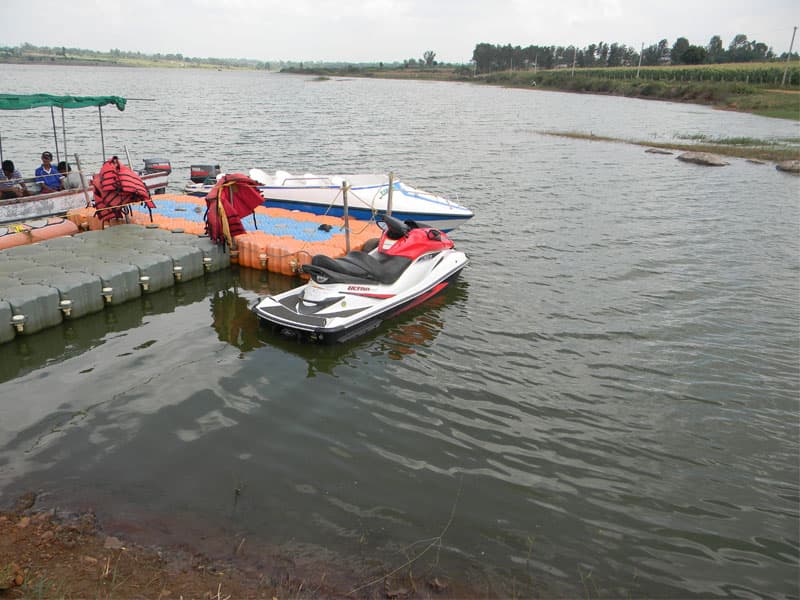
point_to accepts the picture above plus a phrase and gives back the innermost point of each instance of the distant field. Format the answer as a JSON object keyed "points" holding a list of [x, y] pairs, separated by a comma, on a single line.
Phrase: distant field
{"points": [[761, 74]]}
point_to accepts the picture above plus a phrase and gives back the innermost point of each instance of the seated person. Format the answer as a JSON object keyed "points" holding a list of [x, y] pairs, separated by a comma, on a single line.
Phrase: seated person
{"points": [[70, 181], [11, 184], [47, 175]]}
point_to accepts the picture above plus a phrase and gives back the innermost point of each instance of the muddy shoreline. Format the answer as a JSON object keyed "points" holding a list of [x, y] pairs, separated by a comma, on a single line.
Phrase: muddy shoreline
{"points": [[52, 552]]}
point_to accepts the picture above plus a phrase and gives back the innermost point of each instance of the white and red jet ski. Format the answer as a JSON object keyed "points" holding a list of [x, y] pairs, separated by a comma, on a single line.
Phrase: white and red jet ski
{"points": [[348, 296]]}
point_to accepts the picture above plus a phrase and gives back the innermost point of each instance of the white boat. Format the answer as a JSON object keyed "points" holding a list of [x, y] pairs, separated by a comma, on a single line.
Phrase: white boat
{"points": [[367, 197], [155, 173]]}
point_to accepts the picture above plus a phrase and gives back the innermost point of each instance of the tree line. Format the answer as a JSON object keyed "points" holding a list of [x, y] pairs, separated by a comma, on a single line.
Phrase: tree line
{"points": [[492, 57], [31, 52]]}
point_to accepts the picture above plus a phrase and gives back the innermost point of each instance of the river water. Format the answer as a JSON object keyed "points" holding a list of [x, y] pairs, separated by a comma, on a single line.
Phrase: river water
{"points": [[605, 405]]}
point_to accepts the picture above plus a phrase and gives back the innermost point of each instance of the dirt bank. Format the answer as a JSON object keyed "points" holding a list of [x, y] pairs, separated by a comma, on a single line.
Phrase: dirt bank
{"points": [[55, 554]]}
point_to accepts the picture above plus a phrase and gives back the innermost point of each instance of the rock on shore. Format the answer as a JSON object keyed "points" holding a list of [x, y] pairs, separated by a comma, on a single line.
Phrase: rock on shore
{"points": [[789, 166], [702, 158]]}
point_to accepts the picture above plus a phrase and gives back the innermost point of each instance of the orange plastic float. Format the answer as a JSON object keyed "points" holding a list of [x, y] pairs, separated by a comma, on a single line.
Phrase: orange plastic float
{"points": [[38, 230], [257, 248]]}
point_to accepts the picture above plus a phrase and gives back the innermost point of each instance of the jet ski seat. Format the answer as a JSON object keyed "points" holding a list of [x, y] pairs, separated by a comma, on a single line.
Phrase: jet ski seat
{"points": [[358, 266]]}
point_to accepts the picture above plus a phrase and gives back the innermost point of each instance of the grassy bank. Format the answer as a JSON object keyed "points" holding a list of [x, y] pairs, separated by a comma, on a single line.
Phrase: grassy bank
{"points": [[728, 94], [752, 87]]}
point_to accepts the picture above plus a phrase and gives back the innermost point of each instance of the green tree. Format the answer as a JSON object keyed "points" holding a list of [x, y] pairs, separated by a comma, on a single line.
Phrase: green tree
{"points": [[651, 56], [739, 49], [680, 46], [715, 50], [663, 50], [591, 51], [429, 56], [615, 54], [694, 55]]}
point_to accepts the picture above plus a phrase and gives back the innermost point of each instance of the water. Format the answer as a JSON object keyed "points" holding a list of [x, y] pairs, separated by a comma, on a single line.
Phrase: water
{"points": [[605, 405]]}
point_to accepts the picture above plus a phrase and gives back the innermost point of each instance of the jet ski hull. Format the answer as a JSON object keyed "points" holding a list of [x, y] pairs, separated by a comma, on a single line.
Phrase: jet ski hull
{"points": [[358, 306]]}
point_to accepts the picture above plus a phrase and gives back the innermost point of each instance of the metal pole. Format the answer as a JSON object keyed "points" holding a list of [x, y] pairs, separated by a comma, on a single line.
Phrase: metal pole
{"points": [[1, 146], [640, 61], [345, 187], [102, 139], [64, 134], [788, 56], [55, 134], [389, 200], [574, 57], [128, 156], [83, 180]]}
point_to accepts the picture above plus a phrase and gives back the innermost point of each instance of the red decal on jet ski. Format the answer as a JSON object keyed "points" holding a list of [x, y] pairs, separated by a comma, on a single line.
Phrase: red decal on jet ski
{"points": [[423, 297]]}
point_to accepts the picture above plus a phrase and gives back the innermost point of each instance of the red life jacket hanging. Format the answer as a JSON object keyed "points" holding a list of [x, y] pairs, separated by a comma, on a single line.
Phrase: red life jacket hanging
{"points": [[115, 187], [234, 197]]}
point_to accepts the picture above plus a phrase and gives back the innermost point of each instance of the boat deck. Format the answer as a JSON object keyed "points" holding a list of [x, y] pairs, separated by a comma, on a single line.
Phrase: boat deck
{"points": [[69, 276]]}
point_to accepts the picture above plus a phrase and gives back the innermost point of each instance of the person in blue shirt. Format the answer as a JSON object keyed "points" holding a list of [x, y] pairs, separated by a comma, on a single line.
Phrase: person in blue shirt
{"points": [[47, 175]]}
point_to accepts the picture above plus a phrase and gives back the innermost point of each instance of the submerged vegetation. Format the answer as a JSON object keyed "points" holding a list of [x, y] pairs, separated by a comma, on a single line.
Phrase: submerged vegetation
{"points": [[750, 148]]}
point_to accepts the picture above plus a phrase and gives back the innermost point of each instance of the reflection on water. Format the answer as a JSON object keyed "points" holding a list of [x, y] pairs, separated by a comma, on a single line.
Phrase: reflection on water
{"points": [[234, 321], [231, 294], [73, 337], [399, 336]]}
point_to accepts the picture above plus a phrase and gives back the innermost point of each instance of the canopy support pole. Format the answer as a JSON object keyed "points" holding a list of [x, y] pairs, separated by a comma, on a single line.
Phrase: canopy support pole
{"points": [[55, 133], [83, 181], [102, 139], [345, 188], [64, 134]]}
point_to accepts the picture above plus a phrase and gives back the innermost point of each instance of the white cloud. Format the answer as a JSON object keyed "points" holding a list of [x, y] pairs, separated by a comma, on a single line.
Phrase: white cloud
{"points": [[387, 30]]}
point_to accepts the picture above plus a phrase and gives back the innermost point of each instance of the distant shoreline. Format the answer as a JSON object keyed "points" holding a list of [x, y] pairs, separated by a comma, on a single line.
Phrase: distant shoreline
{"points": [[736, 95], [779, 103], [126, 63]]}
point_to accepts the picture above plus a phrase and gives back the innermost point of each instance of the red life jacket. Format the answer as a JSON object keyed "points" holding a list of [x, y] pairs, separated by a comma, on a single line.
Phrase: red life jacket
{"points": [[234, 197], [116, 186]]}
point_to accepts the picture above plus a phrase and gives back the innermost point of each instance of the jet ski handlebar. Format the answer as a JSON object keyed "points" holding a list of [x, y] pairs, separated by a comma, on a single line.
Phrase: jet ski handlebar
{"points": [[395, 226]]}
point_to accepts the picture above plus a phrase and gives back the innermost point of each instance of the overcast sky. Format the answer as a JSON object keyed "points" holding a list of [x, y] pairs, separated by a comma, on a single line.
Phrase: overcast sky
{"points": [[383, 30]]}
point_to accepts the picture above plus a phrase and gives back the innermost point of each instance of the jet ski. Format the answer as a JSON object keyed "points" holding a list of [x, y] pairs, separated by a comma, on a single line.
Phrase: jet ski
{"points": [[349, 296]]}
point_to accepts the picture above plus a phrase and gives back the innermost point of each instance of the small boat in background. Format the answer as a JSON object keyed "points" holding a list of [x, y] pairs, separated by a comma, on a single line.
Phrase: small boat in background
{"points": [[200, 173], [368, 195], [34, 205], [37, 205]]}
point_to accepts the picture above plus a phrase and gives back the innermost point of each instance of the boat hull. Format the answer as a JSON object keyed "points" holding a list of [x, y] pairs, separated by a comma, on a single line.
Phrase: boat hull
{"points": [[367, 198], [58, 203], [444, 222]]}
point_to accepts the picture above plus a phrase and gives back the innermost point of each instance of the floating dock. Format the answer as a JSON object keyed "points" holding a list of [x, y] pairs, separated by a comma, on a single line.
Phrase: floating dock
{"points": [[87, 266], [276, 239]]}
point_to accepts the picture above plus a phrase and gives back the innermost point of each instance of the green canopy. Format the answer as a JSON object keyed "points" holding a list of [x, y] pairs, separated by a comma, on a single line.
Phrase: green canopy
{"points": [[19, 102]]}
